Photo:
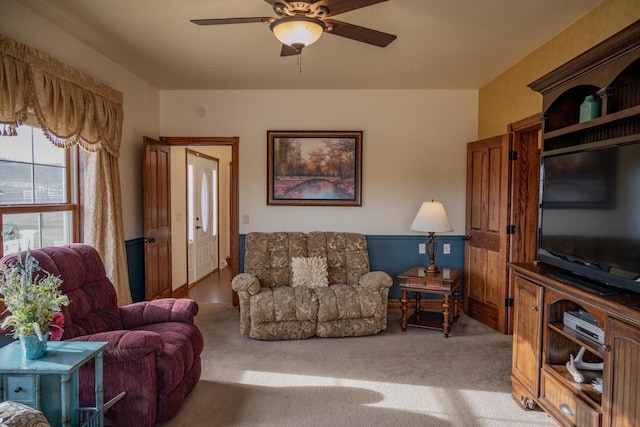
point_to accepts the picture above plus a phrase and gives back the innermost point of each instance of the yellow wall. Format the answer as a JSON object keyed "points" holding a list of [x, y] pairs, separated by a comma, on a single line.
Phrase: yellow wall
{"points": [[507, 99]]}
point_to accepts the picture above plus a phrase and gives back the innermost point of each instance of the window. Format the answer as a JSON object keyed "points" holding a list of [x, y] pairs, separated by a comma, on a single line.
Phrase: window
{"points": [[38, 192]]}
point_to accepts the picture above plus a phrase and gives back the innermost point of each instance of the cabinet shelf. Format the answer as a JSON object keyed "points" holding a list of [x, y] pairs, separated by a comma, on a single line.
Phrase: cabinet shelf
{"points": [[584, 389], [542, 347], [582, 340], [598, 121]]}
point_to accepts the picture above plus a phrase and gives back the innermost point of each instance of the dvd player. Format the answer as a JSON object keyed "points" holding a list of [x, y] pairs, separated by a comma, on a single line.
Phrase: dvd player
{"points": [[584, 323]]}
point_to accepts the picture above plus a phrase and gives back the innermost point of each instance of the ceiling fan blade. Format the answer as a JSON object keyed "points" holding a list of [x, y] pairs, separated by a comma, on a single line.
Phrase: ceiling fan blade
{"points": [[337, 7], [361, 34], [289, 51], [223, 21]]}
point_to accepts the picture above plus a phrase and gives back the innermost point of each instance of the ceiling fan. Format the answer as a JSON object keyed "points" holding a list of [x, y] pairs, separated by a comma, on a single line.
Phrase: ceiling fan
{"points": [[301, 23]]}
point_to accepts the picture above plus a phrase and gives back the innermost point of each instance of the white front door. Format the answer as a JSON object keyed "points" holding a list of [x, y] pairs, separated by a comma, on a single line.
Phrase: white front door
{"points": [[202, 201]]}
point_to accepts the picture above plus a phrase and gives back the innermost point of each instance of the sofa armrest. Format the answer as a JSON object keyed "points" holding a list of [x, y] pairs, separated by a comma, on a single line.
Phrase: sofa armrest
{"points": [[19, 414], [126, 346], [246, 282], [246, 285], [376, 280], [161, 310]]}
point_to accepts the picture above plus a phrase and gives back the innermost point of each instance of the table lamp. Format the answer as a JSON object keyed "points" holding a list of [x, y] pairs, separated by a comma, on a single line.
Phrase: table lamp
{"points": [[431, 218]]}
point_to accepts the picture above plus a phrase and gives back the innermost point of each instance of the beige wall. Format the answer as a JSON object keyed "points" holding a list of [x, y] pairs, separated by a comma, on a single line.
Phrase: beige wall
{"points": [[179, 208], [414, 141], [414, 149], [141, 101], [507, 99]]}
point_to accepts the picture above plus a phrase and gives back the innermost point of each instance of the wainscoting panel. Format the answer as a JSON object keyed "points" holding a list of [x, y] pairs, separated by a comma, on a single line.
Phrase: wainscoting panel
{"points": [[395, 254], [135, 263], [391, 254]]}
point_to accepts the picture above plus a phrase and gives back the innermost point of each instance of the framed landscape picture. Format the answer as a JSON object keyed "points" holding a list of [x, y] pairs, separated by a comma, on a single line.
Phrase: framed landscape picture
{"points": [[314, 168]]}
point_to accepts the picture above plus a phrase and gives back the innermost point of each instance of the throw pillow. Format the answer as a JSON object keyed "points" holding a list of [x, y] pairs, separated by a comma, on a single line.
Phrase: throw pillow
{"points": [[17, 414], [309, 272]]}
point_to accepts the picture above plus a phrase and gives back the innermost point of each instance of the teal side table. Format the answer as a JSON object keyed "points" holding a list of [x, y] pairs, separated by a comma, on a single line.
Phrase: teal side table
{"points": [[25, 381]]}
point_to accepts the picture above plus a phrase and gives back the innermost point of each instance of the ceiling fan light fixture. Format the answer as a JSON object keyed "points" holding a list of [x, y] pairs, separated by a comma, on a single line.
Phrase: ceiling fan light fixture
{"points": [[297, 31]]}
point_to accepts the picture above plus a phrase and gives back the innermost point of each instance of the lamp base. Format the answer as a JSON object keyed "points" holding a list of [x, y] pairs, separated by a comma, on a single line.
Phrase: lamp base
{"points": [[432, 269]]}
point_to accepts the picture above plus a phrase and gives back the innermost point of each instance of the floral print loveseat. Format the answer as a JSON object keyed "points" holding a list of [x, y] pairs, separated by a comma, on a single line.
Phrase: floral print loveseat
{"points": [[353, 304]]}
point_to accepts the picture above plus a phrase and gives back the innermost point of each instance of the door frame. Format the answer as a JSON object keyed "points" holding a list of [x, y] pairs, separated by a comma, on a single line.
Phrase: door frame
{"points": [[234, 217], [521, 172]]}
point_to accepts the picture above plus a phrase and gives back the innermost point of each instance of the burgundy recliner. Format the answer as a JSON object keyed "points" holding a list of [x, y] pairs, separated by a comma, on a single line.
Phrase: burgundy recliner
{"points": [[154, 347]]}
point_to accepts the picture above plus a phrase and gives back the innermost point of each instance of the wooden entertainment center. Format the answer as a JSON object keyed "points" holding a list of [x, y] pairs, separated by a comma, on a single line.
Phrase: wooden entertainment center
{"points": [[542, 343]]}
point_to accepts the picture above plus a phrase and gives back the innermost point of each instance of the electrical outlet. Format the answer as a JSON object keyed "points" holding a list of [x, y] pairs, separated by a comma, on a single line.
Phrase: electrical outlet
{"points": [[422, 248], [446, 248]]}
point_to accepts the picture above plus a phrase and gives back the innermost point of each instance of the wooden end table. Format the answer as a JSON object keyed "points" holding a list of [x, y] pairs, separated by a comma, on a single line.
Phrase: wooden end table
{"points": [[445, 283]]}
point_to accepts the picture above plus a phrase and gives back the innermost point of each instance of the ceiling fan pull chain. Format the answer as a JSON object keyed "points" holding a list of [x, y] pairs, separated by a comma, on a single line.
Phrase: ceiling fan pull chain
{"points": [[299, 62]]}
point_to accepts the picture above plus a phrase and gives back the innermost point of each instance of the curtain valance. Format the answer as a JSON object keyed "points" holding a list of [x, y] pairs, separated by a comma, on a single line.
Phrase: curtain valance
{"points": [[71, 107]]}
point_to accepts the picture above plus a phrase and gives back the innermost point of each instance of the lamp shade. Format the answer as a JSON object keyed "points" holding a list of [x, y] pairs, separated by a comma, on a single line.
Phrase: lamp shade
{"points": [[431, 218], [297, 31]]}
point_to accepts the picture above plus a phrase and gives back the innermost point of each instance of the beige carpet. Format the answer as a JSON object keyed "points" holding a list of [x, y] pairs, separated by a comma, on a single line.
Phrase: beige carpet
{"points": [[417, 378]]}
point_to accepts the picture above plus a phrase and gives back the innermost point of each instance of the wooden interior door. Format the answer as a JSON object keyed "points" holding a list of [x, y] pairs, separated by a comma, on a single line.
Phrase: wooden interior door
{"points": [[524, 183], [503, 189], [486, 248], [157, 219]]}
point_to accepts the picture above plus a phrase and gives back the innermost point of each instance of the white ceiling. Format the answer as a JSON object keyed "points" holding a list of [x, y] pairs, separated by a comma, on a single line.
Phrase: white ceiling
{"points": [[441, 44]]}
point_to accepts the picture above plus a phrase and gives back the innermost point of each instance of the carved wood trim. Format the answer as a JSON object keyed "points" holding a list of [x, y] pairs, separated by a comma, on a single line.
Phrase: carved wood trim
{"points": [[604, 52]]}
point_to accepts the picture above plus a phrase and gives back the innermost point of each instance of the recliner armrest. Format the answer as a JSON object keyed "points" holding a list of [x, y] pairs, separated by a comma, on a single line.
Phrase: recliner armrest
{"points": [[126, 346], [376, 280], [161, 310], [246, 282]]}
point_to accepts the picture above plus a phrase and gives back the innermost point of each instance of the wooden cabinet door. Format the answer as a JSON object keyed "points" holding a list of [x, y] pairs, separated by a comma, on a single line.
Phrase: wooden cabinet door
{"points": [[485, 272], [621, 399], [527, 340], [157, 219]]}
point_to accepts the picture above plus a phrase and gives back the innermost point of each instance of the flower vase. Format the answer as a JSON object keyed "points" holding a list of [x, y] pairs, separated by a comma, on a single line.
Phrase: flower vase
{"points": [[32, 347]]}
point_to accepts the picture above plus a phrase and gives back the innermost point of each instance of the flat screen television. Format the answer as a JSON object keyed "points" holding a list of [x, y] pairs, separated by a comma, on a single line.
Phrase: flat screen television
{"points": [[590, 217]]}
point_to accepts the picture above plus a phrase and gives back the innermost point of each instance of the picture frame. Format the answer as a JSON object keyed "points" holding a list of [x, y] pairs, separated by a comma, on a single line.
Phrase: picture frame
{"points": [[314, 168]]}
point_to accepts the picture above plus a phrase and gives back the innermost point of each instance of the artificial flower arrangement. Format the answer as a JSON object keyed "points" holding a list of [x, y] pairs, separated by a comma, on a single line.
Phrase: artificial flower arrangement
{"points": [[33, 297]]}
